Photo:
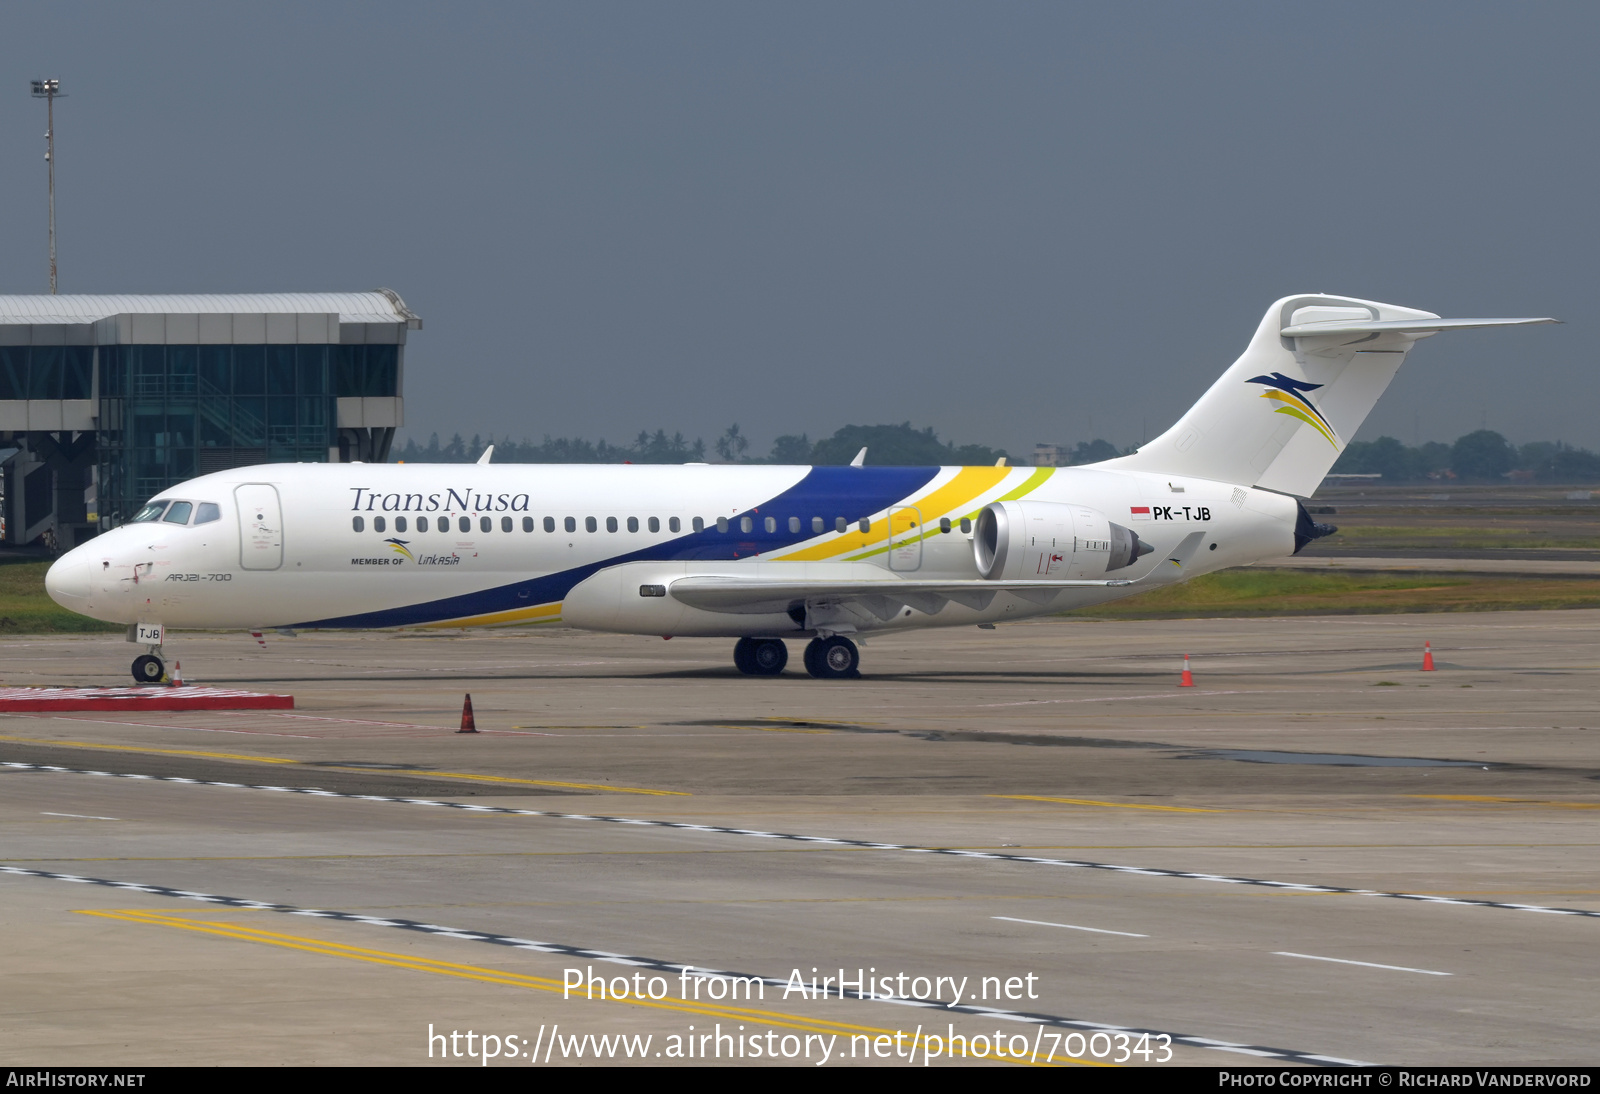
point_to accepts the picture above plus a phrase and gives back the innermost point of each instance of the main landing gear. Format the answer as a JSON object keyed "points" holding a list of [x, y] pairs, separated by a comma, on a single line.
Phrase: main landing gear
{"points": [[833, 658], [760, 656], [148, 669], [824, 658]]}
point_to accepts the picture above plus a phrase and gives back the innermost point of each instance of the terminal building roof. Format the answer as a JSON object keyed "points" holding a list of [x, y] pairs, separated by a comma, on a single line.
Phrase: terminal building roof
{"points": [[381, 306]]}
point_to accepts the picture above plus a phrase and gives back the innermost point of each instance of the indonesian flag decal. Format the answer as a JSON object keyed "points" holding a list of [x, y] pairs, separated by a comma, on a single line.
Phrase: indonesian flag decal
{"points": [[1057, 558], [1139, 512]]}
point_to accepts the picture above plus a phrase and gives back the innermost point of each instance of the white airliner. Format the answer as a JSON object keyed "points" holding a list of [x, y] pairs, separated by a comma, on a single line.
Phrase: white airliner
{"points": [[759, 553]]}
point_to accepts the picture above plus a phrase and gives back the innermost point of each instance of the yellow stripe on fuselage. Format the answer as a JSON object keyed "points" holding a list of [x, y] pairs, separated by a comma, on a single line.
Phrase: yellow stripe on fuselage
{"points": [[964, 487], [543, 613], [1032, 483], [930, 525]]}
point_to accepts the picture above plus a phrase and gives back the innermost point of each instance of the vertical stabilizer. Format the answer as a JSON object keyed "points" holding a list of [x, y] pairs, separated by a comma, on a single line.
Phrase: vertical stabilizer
{"points": [[1280, 416]]}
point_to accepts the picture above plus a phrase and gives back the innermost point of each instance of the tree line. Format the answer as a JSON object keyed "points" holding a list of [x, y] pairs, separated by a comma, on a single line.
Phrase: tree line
{"points": [[1480, 456], [886, 445]]}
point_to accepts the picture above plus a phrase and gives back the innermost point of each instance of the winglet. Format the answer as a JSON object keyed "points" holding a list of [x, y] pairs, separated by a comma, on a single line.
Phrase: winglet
{"points": [[861, 458], [487, 452]]}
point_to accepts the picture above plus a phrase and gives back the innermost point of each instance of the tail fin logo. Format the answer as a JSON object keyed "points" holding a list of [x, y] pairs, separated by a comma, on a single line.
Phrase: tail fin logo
{"points": [[399, 546], [1290, 395]]}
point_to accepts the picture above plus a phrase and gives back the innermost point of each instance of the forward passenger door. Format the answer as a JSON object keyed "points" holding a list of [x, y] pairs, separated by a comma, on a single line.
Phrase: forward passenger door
{"points": [[260, 526]]}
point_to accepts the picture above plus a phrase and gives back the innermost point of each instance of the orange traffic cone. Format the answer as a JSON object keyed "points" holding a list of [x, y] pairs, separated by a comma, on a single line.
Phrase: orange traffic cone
{"points": [[1427, 657], [177, 674], [468, 723], [1188, 680]]}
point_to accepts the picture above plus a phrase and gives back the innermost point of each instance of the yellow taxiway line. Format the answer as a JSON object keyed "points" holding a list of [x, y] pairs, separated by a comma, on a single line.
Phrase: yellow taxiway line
{"points": [[486, 975], [1108, 805], [152, 751], [360, 770]]}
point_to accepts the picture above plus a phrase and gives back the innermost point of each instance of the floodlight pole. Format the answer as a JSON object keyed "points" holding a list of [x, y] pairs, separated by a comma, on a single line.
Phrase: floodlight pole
{"points": [[47, 90]]}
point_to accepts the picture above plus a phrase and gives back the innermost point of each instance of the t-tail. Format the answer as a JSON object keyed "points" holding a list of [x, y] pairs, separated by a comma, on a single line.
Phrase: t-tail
{"points": [[1279, 417]]}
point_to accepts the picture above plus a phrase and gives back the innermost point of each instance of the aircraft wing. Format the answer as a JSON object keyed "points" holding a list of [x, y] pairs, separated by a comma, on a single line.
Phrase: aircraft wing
{"points": [[882, 598]]}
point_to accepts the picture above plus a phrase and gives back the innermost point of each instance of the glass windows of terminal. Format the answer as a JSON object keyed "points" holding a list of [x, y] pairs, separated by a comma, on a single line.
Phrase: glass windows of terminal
{"points": [[46, 372], [172, 412], [366, 370]]}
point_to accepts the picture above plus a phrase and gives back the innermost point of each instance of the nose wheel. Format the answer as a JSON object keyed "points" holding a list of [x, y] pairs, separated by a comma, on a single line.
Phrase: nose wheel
{"points": [[760, 656], [833, 658], [148, 669]]}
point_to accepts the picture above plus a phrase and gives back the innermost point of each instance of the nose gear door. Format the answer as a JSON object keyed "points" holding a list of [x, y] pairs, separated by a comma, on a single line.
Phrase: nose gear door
{"points": [[260, 526]]}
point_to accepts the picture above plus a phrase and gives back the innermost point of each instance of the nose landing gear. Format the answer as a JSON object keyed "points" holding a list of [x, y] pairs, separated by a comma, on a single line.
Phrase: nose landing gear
{"points": [[833, 658], [148, 669], [760, 656]]}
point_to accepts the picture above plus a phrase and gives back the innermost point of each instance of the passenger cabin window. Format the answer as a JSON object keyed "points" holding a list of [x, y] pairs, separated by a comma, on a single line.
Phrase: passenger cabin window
{"points": [[699, 524], [746, 524], [590, 524], [633, 524], [485, 524], [866, 525], [179, 513], [673, 525], [770, 524], [465, 524], [966, 524], [399, 524], [816, 524], [655, 524], [152, 511], [422, 524], [611, 524], [722, 524], [209, 511], [572, 524], [378, 524], [840, 524], [549, 524], [358, 523], [794, 524], [527, 524], [944, 525], [505, 524]]}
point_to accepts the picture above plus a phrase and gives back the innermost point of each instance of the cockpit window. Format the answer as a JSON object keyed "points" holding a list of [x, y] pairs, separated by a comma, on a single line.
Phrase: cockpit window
{"points": [[151, 511], [209, 511], [179, 513]]}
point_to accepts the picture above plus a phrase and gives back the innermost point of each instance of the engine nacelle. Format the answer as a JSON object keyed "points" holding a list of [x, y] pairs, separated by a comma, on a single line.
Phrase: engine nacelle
{"points": [[1040, 540]]}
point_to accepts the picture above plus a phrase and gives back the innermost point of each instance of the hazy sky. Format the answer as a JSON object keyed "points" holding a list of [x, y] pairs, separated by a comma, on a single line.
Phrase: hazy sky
{"points": [[1013, 222]]}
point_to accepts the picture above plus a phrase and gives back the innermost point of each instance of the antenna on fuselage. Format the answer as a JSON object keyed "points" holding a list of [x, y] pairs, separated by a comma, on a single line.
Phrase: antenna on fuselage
{"points": [[861, 458], [487, 452]]}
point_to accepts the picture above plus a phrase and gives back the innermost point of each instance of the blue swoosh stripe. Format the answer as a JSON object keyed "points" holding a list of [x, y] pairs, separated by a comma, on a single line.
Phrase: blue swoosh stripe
{"points": [[850, 492]]}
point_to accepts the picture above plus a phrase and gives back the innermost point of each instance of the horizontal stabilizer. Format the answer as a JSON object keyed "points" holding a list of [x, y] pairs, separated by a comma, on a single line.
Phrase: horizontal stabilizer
{"points": [[1401, 326]]}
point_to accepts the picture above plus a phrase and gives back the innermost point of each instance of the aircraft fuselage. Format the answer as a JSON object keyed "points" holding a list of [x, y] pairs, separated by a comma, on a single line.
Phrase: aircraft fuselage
{"points": [[368, 545]]}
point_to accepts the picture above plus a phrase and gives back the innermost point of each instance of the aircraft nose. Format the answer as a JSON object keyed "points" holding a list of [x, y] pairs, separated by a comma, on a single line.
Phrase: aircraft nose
{"points": [[67, 581]]}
